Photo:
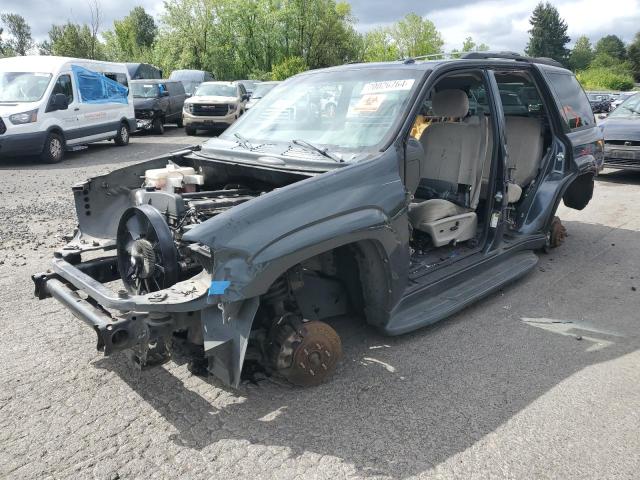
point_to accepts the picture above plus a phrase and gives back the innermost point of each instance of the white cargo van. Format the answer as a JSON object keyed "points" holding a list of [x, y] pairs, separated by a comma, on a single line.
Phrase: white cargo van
{"points": [[52, 104]]}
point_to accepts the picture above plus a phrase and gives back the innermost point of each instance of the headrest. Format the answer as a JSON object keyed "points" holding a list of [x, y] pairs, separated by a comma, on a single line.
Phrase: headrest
{"points": [[450, 103]]}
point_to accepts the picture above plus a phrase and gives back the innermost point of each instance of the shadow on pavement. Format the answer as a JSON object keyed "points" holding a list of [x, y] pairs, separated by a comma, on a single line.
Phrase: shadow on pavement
{"points": [[398, 406]]}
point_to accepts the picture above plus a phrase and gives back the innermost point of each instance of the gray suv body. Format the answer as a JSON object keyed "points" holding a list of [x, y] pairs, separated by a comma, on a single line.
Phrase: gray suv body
{"points": [[415, 198]]}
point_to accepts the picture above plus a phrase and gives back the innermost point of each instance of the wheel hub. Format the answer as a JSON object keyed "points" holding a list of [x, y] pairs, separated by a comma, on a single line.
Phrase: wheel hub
{"points": [[308, 352]]}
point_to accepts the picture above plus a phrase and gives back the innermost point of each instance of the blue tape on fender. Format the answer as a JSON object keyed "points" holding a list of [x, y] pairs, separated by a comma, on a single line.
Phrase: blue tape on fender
{"points": [[218, 287]]}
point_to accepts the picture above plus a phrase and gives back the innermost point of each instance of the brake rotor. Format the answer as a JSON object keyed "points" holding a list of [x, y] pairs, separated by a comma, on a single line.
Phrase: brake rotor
{"points": [[557, 233], [308, 352]]}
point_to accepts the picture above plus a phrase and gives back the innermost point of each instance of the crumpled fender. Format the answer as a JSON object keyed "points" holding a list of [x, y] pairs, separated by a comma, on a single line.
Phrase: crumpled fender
{"points": [[253, 243]]}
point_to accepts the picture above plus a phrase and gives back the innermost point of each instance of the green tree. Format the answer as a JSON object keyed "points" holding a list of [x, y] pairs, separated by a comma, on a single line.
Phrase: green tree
{"points": [[416, 36], [20, 41], [611, 45], [71, 40], [132, 37], [470, 46], [288, 67], [581, 54], [379, 46], [633, 56], [548, 34], [5, 51]]}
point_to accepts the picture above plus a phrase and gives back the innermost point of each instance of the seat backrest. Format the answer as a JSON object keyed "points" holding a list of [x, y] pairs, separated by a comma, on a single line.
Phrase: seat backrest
{"points": [[524, 143], [452, 147]]}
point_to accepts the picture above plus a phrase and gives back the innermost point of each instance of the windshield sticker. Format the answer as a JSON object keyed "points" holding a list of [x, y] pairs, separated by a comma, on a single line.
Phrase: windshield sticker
{"points": [[369, 103], [387, 86]]}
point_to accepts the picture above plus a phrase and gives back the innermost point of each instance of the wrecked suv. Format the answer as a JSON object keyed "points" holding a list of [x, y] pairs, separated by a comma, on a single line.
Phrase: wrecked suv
{"points": [[415, 198]]}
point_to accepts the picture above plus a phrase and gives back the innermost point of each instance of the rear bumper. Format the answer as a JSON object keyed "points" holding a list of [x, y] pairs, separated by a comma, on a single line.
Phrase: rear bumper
{"points": [[20, 144], [622, 157]]}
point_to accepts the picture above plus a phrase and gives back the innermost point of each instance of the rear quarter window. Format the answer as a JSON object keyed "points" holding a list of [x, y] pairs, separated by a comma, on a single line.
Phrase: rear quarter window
{"points": [[575, 108]]}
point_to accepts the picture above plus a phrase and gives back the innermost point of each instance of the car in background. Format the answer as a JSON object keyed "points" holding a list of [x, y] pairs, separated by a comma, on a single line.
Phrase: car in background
{"points": [[191, 79], [621, 132], [261, 90], [621, 97], [157, 102], [49, 105], [600, 102], [249, 85], [214, 105]]}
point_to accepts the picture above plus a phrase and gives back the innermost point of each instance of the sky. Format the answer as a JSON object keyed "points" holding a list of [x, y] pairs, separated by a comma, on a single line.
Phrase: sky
{"points": [[501, 24]]}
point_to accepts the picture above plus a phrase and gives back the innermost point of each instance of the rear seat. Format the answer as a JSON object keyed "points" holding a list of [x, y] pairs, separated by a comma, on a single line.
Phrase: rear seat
{"points": [[525, 143]]}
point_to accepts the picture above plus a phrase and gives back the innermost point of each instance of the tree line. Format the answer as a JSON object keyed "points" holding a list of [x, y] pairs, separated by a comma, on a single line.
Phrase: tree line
{"points": [[607, 65], [274, 39], [259, 39]]}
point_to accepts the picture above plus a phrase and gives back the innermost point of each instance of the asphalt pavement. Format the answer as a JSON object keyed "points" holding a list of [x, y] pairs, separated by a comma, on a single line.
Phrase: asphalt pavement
{"points": [[540, 380]]}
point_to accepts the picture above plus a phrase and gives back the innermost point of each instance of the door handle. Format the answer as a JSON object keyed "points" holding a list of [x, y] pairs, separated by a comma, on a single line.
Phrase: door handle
{"points": [[76, 109]]}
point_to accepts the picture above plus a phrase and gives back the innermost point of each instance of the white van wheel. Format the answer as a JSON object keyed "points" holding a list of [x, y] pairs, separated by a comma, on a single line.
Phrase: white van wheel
{"points": [[53, 151], [122, 137]]}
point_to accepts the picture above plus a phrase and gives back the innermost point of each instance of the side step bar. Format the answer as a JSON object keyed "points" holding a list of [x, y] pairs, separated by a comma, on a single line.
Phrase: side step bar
{"points": [[420, 310]]}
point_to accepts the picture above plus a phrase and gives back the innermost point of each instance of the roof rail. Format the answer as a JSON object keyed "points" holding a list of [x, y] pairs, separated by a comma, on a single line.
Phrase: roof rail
{"points": [[511, 56]]}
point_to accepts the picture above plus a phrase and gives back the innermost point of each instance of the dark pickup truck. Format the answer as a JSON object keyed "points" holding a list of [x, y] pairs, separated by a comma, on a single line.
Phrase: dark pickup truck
{"points": [[157, 102], [419, 195]]}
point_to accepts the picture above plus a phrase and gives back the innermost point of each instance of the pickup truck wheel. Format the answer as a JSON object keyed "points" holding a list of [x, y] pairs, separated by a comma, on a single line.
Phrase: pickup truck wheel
{"points": [[53, 151], [306, 353], [179, 122], [189, 130], [157, 126], [122, 138]]}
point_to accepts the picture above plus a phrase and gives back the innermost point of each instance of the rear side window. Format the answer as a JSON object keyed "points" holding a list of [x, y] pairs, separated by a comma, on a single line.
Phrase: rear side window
{"points": [[576, 110]]}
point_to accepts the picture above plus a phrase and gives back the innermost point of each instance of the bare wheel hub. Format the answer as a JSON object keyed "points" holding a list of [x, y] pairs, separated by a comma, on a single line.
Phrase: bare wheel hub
{"points": [[307, 353]]}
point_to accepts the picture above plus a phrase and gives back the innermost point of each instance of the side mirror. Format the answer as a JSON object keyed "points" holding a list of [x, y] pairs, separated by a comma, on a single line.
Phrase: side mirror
{"points": [[246, 96], [165, 93], [602, 116], [59, 101], [188, 95]]}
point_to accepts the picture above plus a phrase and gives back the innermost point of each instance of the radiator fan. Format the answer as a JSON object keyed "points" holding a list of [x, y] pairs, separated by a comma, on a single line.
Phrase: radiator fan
{"points": [[147, 256]]}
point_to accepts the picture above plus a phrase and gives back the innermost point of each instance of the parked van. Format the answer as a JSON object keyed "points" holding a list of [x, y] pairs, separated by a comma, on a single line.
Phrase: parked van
{"points": [[52, 104], [191, 79]]}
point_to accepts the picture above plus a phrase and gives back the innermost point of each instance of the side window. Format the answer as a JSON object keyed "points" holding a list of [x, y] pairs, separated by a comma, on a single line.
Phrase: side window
{"points": [[576, 111], [63, 85], [243, 90], [121, 78], [519, 95]]}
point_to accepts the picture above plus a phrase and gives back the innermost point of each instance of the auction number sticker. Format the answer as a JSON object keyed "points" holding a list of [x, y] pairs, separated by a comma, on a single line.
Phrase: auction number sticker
{"points": [[387, 86]]}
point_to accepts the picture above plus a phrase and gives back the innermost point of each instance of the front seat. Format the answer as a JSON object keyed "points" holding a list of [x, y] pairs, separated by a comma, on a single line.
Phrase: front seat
{"points": [[453, 151]]}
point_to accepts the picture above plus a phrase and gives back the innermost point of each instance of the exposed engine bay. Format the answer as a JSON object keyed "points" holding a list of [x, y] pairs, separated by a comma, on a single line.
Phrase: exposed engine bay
{"points": [[170, 202]]}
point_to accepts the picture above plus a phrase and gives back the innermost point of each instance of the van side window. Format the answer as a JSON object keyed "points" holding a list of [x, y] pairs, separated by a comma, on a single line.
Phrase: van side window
{"points": [[121, 78], [63, 85], [576, 110]]}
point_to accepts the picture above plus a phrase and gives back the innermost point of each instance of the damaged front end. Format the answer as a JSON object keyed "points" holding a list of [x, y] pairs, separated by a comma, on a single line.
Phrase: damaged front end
{"points": [[129, 274]]}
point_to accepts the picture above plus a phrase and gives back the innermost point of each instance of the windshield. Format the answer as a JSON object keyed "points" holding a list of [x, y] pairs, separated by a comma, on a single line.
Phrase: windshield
{"points": [[629, 108], [216, 90], [144, 90], [23, 86], [363, 107], [263, 88]]}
